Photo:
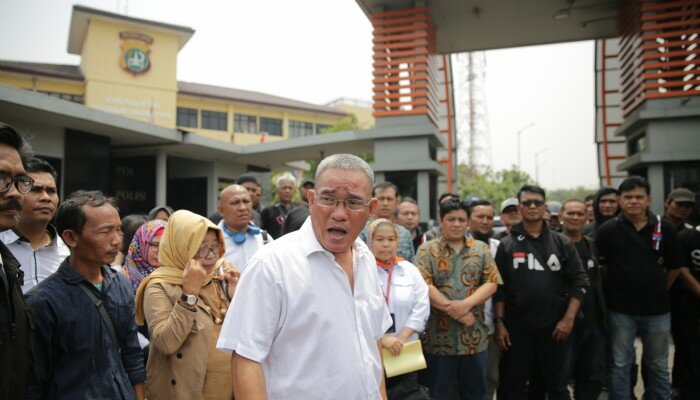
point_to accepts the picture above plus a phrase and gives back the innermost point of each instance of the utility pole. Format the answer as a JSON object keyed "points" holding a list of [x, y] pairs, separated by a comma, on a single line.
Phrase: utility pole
{"points": [[537, 165]]}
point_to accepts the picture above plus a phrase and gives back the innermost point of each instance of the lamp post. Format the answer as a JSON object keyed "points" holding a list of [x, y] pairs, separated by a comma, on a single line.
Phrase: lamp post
{"points": [[537, 165], [519, 133]]}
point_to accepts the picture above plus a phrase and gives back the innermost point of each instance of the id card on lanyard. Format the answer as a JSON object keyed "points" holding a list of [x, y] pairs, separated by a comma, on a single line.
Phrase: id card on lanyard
{"points": [[387, 293]]}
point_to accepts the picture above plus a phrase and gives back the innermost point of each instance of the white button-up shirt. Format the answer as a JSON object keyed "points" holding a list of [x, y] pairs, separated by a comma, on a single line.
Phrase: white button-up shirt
{"points": [[239, 254], [37, 264], [408, 297], [294, 313]]}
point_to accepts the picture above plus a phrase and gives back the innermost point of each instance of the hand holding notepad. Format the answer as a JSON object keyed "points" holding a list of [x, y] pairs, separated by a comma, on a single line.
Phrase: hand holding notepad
{"points": [[411, 359]]}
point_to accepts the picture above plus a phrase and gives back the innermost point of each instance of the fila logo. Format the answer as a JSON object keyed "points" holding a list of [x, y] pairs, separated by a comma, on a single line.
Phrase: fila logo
{"points": [[532, 263]]}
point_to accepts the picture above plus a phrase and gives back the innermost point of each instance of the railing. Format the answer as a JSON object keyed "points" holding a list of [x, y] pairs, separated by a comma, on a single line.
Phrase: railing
{"points": [[660, 45], [404, 64]]}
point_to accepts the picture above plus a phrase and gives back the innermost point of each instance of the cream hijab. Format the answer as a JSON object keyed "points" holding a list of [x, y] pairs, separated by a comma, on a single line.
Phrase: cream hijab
{"points": [[179, 244]]}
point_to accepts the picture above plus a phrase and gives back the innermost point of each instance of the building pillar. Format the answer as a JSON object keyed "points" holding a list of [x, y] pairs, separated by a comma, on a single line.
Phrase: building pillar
{"points": [[161, 177], [655, 177], [423, 184]]}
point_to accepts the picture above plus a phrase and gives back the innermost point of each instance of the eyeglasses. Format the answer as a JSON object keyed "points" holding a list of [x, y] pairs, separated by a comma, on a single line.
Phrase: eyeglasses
{"points": [[203, 252], [530, 203], [350, 204], [23, 183]]}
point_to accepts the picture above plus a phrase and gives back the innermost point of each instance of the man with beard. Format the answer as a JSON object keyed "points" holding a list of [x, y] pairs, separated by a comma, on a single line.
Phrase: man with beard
{"points": [[15, 329], [605, 207], [86, 337], [35, 242], [241, 238]]}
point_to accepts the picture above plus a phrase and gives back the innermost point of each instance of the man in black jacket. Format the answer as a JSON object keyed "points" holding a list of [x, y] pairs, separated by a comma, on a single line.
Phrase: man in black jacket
{"points": [[16, 331], [535, 308]]}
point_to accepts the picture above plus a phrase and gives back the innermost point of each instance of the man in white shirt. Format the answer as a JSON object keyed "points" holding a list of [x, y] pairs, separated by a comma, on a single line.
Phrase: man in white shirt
{"points": [[241, 237], [308, 312], [34, 241]]}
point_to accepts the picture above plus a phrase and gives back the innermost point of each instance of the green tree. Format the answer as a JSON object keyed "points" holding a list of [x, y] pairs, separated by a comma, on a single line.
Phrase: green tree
{"points": [[561, 195], [494, 186]]}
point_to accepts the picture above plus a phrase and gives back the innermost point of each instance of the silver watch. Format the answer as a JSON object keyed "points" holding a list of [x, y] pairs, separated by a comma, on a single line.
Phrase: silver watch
{"points": [[189, 299]]}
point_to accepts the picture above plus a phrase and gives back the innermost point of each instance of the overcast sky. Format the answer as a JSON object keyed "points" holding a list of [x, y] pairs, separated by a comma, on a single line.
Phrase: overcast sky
{"points": [[319, 50]]}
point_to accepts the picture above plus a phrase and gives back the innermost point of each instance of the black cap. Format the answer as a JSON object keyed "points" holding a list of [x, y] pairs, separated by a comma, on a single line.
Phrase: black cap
{"points": [[308, 182], [247, 178]]}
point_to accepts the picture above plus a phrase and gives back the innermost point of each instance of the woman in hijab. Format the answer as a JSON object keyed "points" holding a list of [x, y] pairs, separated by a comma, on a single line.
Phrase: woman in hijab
{"points": [[184, 303], [142, 255], [160, 212], [406, 296]]}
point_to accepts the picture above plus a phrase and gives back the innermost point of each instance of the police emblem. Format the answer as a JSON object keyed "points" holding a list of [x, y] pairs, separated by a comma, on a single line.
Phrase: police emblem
{"points": [[136, 48]]}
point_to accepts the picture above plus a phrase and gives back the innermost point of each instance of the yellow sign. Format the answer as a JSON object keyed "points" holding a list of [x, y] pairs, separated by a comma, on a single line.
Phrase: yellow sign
{"points": [[136, 48]]}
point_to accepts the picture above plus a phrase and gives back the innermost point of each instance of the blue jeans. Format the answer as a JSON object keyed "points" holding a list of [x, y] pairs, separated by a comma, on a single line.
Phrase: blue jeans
{"points": [[655, 332], [469, 370]]}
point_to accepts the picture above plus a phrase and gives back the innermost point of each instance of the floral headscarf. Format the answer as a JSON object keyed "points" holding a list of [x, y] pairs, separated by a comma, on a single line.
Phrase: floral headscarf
{"points": [[136, 266]]}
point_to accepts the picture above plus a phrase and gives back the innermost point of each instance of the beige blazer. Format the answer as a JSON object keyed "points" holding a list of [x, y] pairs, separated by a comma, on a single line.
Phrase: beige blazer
{"points": [[180, 344]]}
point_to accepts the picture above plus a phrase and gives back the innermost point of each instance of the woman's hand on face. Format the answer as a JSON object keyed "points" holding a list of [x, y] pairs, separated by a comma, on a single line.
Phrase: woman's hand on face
{"points": [[193, 278]]}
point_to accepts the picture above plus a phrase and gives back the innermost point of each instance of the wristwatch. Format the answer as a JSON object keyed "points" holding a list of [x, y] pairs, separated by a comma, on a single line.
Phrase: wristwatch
{"points": [[497, 320], [189, 299]]}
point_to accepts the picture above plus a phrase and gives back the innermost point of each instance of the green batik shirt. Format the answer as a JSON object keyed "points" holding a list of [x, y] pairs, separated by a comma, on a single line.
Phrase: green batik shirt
{"points": [[456, 275]]}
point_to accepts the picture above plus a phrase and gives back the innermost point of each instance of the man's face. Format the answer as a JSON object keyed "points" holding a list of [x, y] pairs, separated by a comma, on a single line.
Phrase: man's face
{"points": [[454, 225], [304, 191], [387, 202], [252, 188], [336, 228], [608, 204], [285, 191], [532, 207], [676, 210], [10, 200], [40, 203], [481, 219], [408, 215], [101, 238], [635, 202], [236, 208], [573, 217], [590, 215], [510, 216]]}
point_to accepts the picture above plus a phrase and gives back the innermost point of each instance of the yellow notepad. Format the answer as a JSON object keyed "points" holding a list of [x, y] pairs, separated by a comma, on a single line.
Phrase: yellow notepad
{"points": [[411, 359]]}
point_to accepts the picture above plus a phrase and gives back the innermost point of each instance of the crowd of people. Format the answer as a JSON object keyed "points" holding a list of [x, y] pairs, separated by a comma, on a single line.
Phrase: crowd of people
{"points": [[300, 299]]}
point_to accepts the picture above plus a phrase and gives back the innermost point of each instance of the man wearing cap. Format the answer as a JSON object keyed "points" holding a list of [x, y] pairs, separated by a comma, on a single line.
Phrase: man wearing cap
{"points": [[679, 205], [306, 185], [509, 216], [553, 209], [241, 238]]}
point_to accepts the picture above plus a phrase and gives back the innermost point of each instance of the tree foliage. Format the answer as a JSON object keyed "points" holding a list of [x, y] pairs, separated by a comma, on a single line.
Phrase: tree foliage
{"points": [[494, 186]]}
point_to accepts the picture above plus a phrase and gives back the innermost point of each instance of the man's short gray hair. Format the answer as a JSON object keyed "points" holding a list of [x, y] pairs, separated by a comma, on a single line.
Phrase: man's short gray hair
{"points": [[286, 177], [347, 162]]}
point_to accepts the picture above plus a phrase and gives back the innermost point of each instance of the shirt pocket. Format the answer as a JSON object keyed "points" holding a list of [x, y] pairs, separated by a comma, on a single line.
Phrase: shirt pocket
{"points": [[402, 291]]}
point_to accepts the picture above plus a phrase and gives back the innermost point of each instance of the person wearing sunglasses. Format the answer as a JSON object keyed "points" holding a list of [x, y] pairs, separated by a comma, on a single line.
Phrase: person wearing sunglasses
{"points": [[535, 308], [184, 304]]}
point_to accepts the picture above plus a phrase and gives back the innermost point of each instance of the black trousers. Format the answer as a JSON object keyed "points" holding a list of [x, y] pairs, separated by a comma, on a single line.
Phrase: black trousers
{"points": [[689, 340], [534, 350]]}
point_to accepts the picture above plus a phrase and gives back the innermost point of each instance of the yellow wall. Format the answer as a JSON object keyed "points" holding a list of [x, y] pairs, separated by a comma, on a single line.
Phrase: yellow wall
{"points": [[42, 84], [232, 108], [111, 88], [364, 114]]}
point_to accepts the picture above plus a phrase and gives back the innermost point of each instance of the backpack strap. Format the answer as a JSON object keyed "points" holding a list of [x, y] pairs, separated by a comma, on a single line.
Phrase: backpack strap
{"points": [[265, 237]]}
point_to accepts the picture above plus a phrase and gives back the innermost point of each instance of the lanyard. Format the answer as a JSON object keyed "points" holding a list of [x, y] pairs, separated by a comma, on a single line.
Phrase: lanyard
{"points": [[656, 235], [389, 268]]}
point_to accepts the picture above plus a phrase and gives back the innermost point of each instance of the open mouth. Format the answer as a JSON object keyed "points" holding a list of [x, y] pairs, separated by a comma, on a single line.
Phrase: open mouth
{"points": [[337, 233]]}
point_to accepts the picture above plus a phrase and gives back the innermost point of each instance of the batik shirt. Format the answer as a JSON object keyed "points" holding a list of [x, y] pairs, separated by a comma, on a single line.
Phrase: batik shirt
{"points": [[457, 276]]}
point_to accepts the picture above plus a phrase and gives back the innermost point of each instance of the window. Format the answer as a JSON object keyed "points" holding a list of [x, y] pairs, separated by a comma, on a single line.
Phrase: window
{"points": [[187, 117], [321, 127], [214, 120], [271, 126], [65, 96], [245, 123], [300, 129]]}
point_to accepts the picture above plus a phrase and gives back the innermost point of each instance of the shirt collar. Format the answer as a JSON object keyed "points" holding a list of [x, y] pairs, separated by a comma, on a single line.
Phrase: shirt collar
{"points": [[310, 244], [14, 235], [468, 240], [72, 276], [651, 219]]}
